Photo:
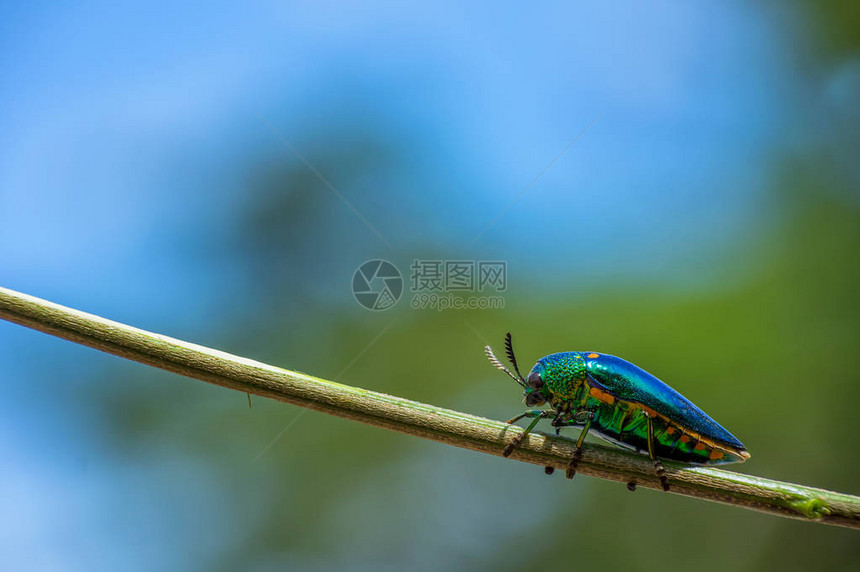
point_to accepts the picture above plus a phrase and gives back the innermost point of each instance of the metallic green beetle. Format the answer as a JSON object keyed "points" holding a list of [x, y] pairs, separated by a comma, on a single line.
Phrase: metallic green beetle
{"points": [[622, 404]]}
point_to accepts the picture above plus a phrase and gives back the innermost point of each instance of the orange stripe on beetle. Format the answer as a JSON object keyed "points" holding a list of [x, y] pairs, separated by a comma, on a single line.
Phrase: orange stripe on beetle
{"points": [[601, 395], [592, 356], [715, 455]]}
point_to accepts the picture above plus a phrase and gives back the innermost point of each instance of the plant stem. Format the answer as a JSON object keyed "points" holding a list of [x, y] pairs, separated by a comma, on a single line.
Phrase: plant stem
{"points": [[413, 418]]}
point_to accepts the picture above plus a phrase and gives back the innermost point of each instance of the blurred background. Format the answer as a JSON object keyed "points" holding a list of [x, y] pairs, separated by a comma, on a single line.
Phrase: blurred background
{"points": [[705, 226]]}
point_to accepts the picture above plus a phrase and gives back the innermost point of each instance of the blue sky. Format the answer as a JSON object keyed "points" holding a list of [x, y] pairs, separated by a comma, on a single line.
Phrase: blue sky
{"points": [[122, 124]]}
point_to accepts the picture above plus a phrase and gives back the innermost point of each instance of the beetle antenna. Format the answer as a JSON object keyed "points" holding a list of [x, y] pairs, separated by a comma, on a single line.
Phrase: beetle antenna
{"points": [[499, 365], [509, 348]]}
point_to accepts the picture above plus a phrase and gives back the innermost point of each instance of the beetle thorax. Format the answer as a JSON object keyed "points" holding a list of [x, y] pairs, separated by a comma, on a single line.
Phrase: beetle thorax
{"points": [[564, 373]]}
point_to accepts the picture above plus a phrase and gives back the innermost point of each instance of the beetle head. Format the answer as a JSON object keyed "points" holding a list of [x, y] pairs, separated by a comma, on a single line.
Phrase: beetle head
{"points": [[534, 390]]}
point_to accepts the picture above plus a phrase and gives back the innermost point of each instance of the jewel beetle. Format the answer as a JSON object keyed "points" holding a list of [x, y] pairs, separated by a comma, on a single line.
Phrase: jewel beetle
{"points": [[622, 404]]}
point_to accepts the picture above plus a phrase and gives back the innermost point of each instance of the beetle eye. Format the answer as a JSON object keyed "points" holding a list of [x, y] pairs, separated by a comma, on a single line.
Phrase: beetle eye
{"points": [[534, 381]]}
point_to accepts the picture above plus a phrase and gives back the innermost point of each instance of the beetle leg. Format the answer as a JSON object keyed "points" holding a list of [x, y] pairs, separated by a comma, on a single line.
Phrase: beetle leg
{"points": [[530, 414], [561, 420], [658, 466], [573, 420], [537, 414], [577, 453]]}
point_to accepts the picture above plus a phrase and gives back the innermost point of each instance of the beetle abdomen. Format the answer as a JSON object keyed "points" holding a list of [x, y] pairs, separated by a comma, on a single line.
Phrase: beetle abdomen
{"points": [[626, 424]]}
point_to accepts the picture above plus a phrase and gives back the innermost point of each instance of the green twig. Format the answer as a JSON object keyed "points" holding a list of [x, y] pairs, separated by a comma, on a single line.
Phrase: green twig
{"points": [[413, 418]]}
